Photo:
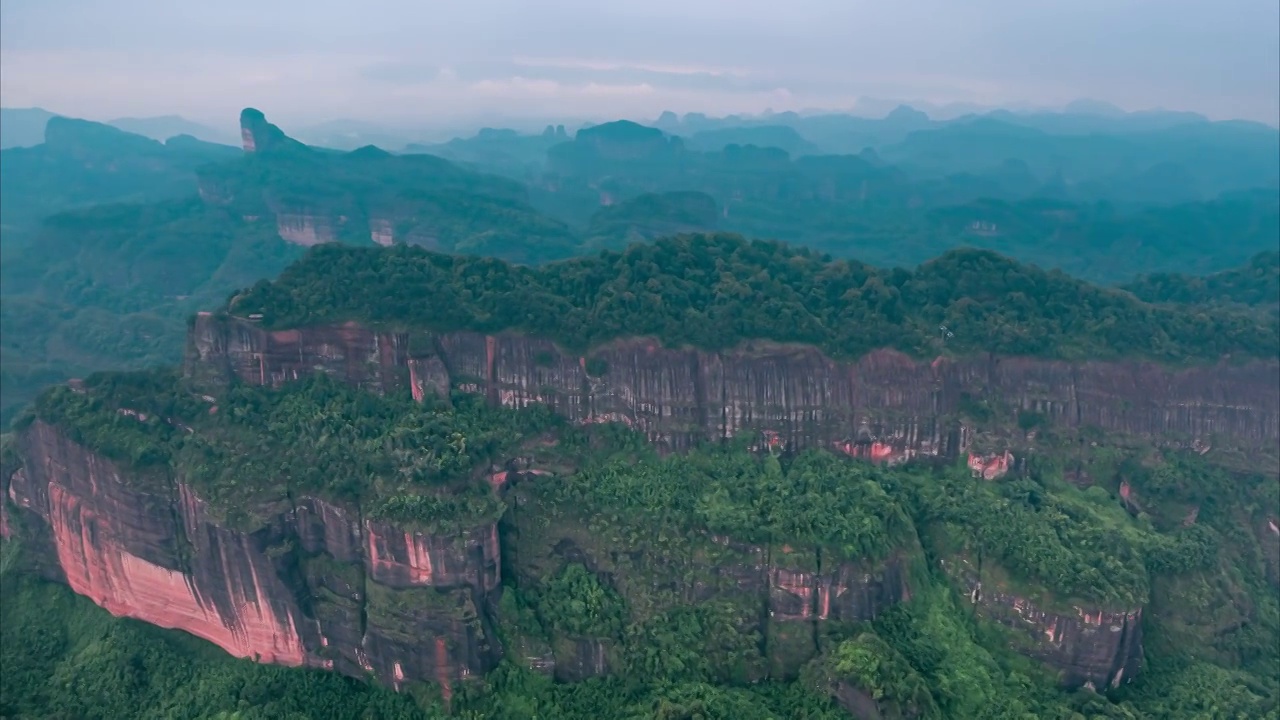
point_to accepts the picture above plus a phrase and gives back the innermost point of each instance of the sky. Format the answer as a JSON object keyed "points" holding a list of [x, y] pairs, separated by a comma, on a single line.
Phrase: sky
{"points": [[439, 61]]}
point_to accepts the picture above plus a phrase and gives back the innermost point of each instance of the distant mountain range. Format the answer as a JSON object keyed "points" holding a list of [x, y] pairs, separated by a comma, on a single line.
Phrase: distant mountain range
{"points": [[112, 239], [25, 127]]}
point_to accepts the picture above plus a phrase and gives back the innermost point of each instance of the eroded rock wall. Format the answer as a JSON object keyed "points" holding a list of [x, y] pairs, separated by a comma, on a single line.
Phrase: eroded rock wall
{"points": [[1088, 646], [885, 405], [317, 585], [780, 594]]}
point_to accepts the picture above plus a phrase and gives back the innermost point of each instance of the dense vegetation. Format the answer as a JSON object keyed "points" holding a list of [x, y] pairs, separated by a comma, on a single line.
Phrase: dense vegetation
{"points": [[106, 287], [1101, 207], [1257, 283], [82, 164], [65, 658], [1211, 618], [402, 461], [715, 290], [650, 216], [111, 287]]}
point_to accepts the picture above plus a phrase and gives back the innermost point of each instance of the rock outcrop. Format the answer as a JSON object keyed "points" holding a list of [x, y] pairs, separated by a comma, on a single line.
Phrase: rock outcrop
{"points": [[314, 583], [778, 593], [319, 585], [1089, 647], [304, 229], [886, 405], [257, 135]]}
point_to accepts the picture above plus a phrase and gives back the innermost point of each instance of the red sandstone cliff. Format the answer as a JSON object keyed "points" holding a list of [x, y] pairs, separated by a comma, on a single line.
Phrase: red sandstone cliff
{"points": [[321, 585], [1088, 646], [885, 405], [318, 586]]}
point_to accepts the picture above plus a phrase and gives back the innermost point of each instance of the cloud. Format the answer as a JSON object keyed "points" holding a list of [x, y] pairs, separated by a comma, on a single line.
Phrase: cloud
{"points": [[614, 65], [400, 58]]}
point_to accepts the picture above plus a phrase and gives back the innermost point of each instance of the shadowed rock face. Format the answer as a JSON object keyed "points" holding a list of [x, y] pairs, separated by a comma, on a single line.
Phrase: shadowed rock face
{"points": [[318, 585], [885, 406], [781, 593], [1089, 647]]}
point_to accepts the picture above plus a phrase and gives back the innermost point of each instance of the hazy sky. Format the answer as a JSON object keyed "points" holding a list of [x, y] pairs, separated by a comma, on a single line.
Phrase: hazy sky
{"points": [[402, 60]]}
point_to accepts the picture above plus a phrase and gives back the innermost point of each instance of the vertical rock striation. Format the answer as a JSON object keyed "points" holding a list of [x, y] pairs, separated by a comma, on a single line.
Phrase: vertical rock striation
{"points": [[317, 585], [885, 405]]}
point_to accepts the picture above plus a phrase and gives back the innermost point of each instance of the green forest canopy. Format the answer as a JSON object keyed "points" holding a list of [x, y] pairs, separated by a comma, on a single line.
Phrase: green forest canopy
{"points": [[1257, 283], [927, 654], [715, 290]]}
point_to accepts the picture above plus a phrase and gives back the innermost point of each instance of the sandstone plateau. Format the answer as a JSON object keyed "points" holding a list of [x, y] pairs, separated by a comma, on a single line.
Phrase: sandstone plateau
{"points": [[319, 584]]}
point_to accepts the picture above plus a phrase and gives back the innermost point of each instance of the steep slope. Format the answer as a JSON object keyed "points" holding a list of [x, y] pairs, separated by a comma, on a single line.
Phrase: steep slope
{"points": [[428, 495], [131, 490], [366, 541], [691, 290], [110, 287], [371, 196]]}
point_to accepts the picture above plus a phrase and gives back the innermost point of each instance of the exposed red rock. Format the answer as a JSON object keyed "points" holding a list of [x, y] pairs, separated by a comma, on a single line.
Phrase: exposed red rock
{"points": [[129, 586], [149, 548], [679, 396], [304, 229], [1090, 647], [990, 467]]}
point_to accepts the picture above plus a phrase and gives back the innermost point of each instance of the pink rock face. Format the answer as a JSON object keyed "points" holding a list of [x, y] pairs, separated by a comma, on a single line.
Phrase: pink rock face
{"points": [[382, 232], [399, 558], [304, 229], [990, 467], [128, 586], [846, 591], [1089, 646], [106, 550], [147, 547], [679, 396], [246, 138]]}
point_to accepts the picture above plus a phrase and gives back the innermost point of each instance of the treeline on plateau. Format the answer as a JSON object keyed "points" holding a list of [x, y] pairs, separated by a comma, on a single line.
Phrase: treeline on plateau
{"points": [[715, 290]]}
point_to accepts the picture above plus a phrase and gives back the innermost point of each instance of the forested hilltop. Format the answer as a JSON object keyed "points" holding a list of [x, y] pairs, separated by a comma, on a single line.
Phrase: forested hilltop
{"points": [[200, 220], [1257, 283], [713, 291]]}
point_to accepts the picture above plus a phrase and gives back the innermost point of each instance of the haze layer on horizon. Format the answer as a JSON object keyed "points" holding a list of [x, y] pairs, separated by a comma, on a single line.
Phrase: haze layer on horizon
{"points": [[440, 62]]}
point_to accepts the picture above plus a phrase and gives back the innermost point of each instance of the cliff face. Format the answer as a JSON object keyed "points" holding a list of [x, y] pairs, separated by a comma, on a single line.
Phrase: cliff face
{"points": [[885, 406], [777, 593], [318, 585], [1089, 647]]}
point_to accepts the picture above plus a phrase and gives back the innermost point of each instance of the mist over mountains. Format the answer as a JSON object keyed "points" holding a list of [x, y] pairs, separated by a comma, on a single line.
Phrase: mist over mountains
{"points": [[815, 354]]}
